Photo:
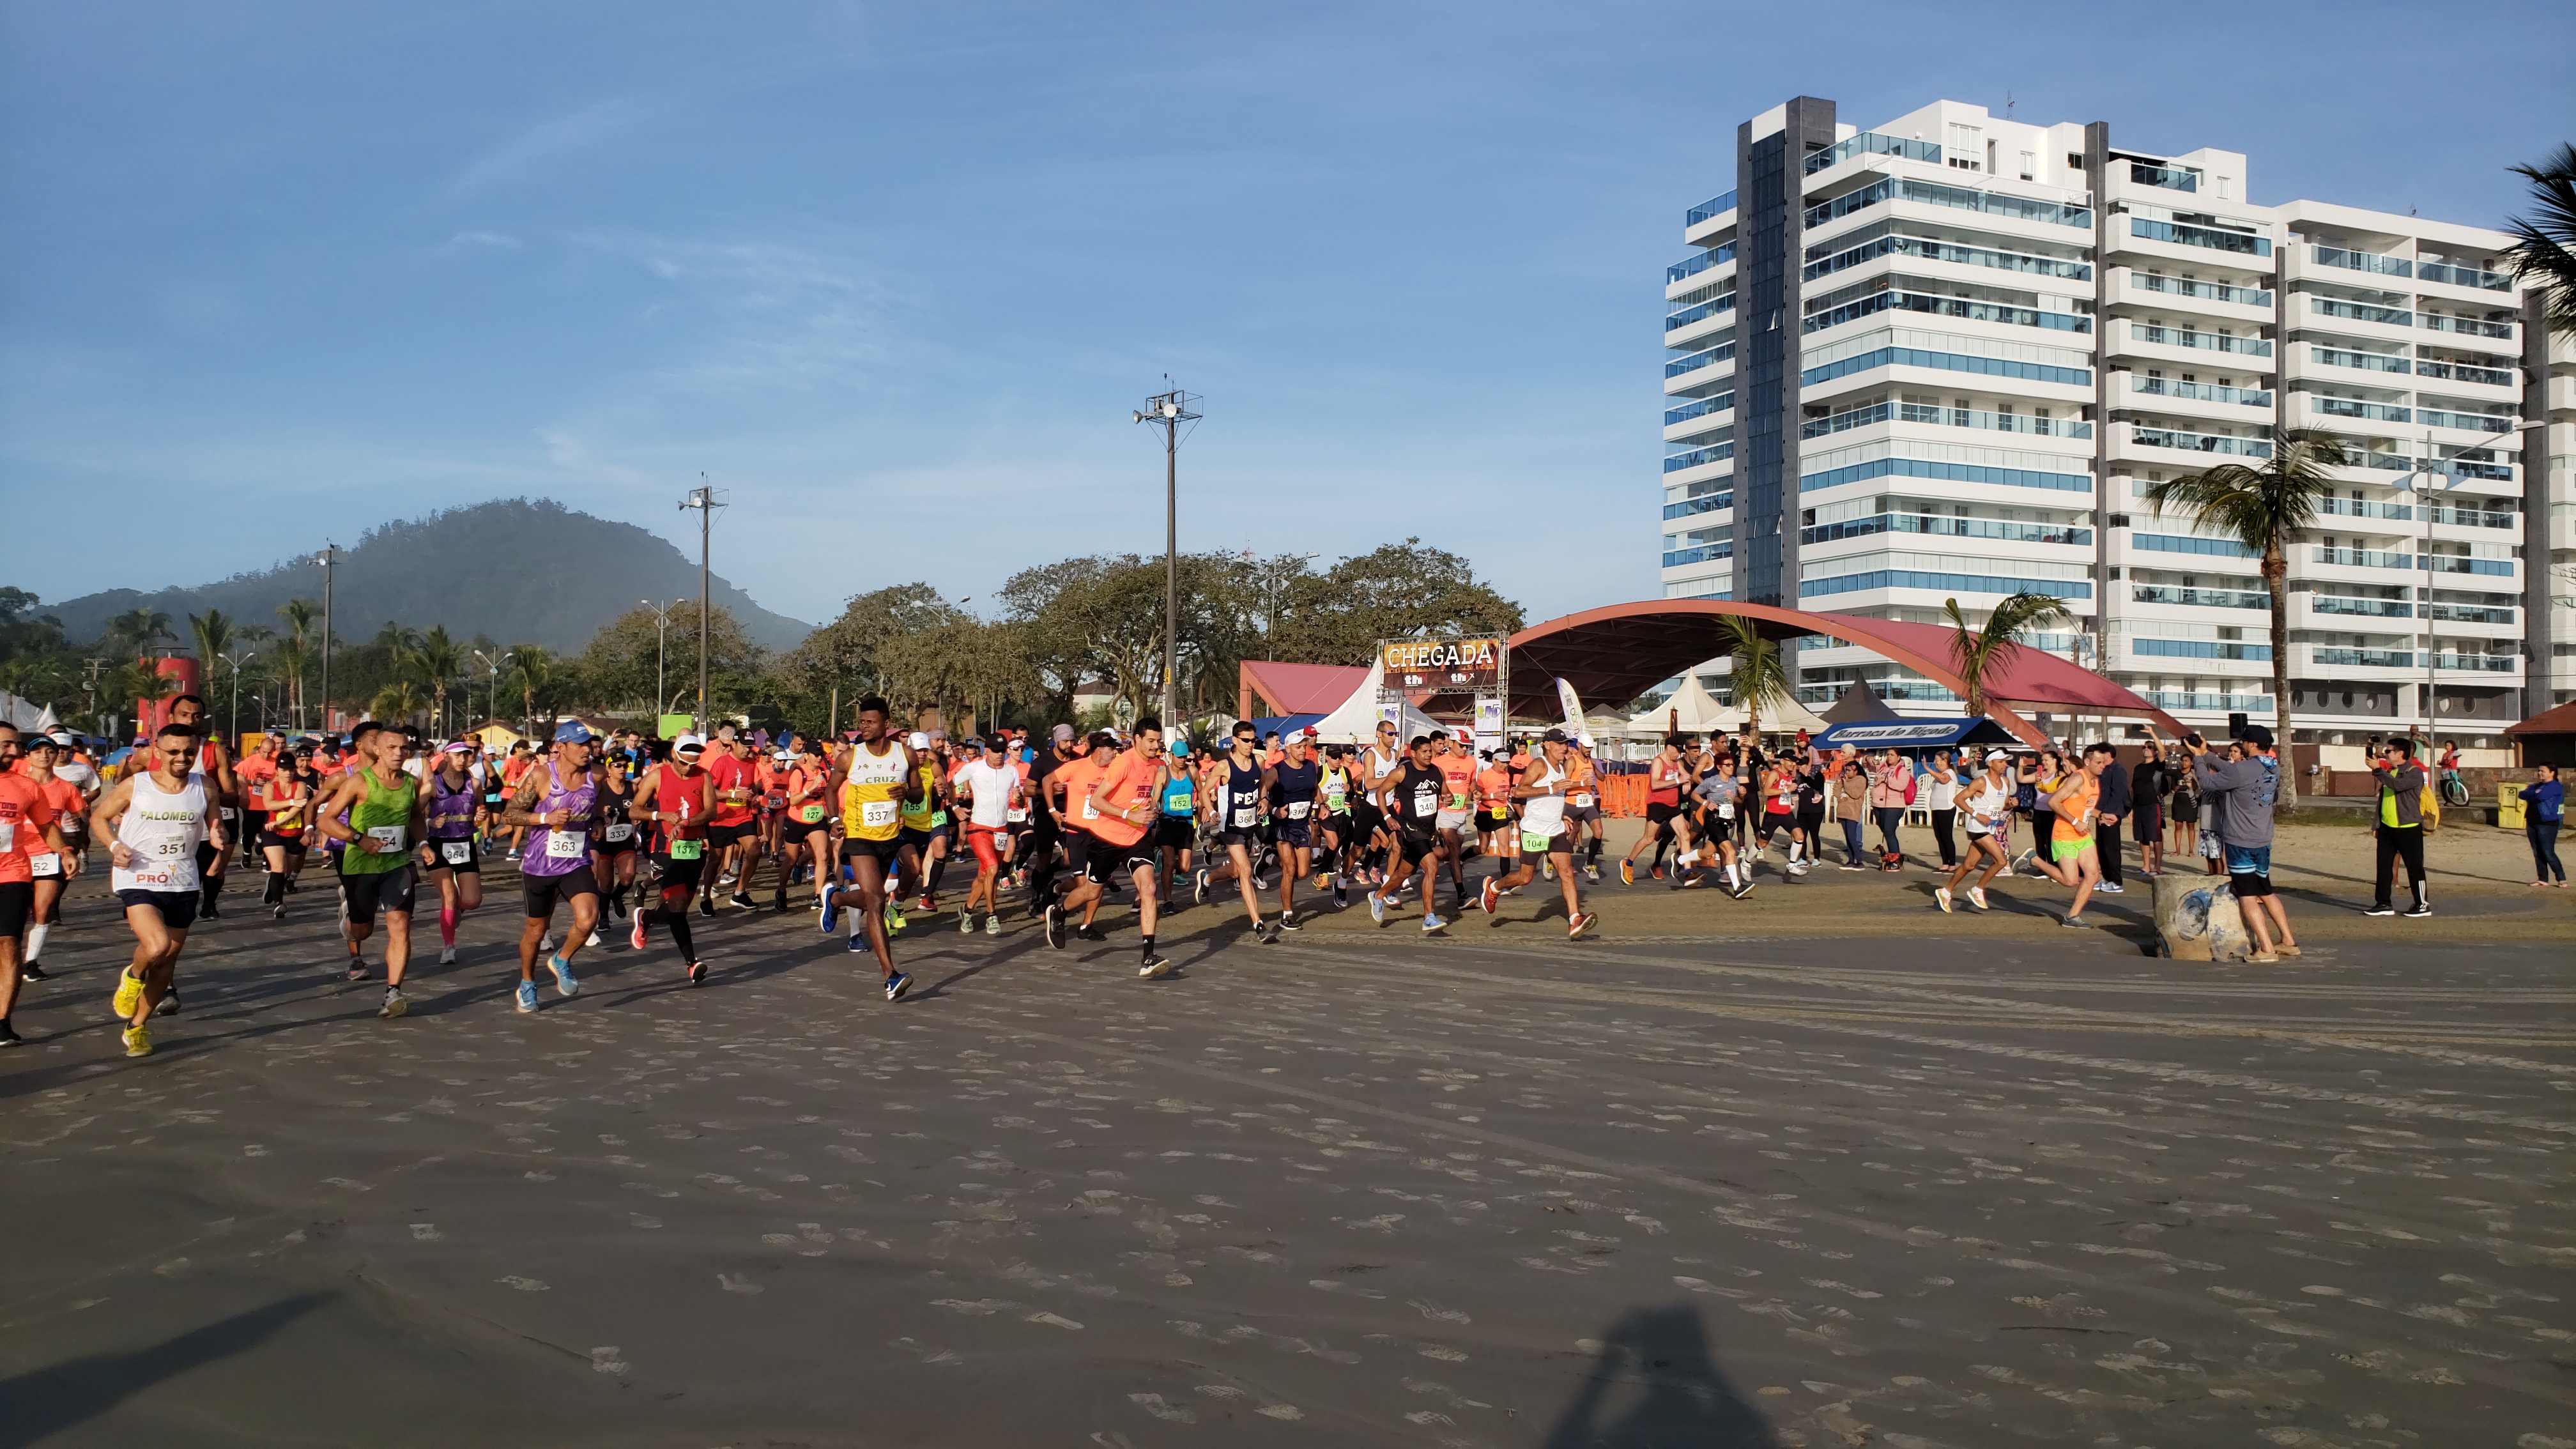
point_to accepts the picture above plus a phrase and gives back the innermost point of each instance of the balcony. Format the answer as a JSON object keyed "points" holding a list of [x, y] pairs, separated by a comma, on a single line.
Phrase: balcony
{"points": [[2361, 558], [2257, 704], [1697, 360], [2199, 649], [2182, 234], [2473, 422], [1714, 453], [2171, 177], [1692, 267], [2206, 291], [1948, 418], [2363, 608], [2360, 312], [2362, 262], [2199, 598], [2468, 468], [2463, 372], [1870, 143], [2356, 508], [1824, 260], [1938, 306], [2363, 658], [2463, 277], [1714, 206], [2469, 614], [2167, 387], [2208, 341], [1705, 503], [2467, 518], [2482, 663], [2344, 407], [1940, 526], [1698, 554], [1714, 306], [1964, 198], [2468, 326], [1699, 407], [2363, 361], [2452, 563], [2199, 442]]}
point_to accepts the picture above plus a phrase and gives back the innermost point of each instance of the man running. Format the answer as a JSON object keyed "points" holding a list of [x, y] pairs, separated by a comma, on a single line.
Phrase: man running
{"points": [[49, 870], [215, 762], [1985, 804], [384, 824], [557, 803], [1293, 784], [32, 859], [1116, 812], [1583, 810], [1231, 790], [1542, 793], [675, 800], [153, 819], [916, 841], [989, 790], [733, 839], [1379, 765], [1413, 802], [1457, 809], [878, 776], [2071, 848], [1176, 827], [455, 866], [805, 819]]}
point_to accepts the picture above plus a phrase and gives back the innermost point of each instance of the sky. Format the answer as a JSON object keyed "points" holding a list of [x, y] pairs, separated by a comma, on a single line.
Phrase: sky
{"points": [[896, 276]]}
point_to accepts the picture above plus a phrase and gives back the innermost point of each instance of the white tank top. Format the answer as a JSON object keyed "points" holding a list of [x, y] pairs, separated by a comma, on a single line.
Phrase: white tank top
{"points": [[1378, 762], [1543, 814], [163, 830]]}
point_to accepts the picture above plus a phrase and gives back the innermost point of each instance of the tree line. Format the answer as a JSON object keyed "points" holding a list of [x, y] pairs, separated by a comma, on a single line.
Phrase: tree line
{"points": [[1094, 622]]}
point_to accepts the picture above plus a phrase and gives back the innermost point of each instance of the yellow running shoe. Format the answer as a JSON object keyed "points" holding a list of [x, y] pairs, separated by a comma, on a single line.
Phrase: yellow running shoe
{"points": [[129, 995], [138, 1042]]}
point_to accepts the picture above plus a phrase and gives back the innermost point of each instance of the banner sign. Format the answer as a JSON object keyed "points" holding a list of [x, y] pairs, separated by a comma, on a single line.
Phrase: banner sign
{"points": [[1442, 664]]}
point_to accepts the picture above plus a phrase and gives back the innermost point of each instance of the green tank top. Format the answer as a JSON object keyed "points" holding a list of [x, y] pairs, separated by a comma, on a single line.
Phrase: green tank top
{"points": [[916, 813], [383, 813]]}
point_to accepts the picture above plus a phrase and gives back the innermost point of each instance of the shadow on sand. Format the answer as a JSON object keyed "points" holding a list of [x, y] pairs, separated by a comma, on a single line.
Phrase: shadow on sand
{"points": [[1653, 1384]]}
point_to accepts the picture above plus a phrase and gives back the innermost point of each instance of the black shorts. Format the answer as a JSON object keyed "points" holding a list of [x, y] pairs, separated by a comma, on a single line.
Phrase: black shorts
{"points": [[387, 890], [1250, 839], [1582, 813], [1176, 832], [1775, 821], [1558, 844], [1297, 833], [720, 837], [1660, 814], [1367, 818], [1415, 847], [178, 908], [918, 841], [800, 831], [1489, 821], [602, 845], [291, 844], [1077, 850], [473, 860], [543, 891], [17, 904], [2250, 887], [855, 846], [679, 874], [1109, 862]]}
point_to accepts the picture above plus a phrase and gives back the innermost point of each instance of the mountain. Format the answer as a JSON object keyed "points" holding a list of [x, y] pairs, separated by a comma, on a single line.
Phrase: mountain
{"points": [[518, 570]]}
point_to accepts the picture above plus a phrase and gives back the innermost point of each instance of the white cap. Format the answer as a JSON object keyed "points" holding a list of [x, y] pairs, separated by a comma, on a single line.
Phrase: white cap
{"points": [[1994, 755], [919, 741], [689, 745]]}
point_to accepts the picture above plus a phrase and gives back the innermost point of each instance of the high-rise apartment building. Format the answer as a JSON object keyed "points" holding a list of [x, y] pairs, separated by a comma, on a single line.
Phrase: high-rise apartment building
{"points": [[1944, 358]]}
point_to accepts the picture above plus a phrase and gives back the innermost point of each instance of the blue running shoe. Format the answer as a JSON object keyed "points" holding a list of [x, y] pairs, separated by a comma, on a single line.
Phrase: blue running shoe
{"points": [[858, 943], [564, 982], [527, 997], [831, 906], [1433, 923], [1377, 908], [897, 984]]}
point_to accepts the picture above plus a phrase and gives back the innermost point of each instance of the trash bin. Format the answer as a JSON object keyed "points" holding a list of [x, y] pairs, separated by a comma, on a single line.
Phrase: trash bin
{"points": [[2508, 807]]}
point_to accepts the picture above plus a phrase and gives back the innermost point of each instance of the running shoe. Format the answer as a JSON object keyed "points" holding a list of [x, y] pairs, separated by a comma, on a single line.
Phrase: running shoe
{"points": [[2077, 923], [1797, 867], [830, 897], [565, 984], [858, 943], [635, 936], [277, 912], [170, 1001], [1432, 924], [992, 923], [1377, 908], [1578, 923], [1266, 932], [1491, 894], [1091, 933], [1941, 897], [138, 1042], [2111, 888], [896, 985], [1743, 889], [893, 917], [1055, 925], [1977, 898], [546, 944], [1592, 873], [1341, 897], [1627, 874], [527, 997], [1156, 967], [1198, 886], [929, 904], [8, 1034], [594, 939], [129, 994], [697, 973], [1288, 921], [394, 1005], [2381, 909], [965, 923], [2420, 908], [1549, 870], [446, 955], [741, 901], [357, 970]]}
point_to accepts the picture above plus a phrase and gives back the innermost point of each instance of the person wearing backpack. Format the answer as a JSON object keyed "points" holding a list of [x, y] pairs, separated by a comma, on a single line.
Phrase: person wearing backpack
{"points": [[2401, 827]]}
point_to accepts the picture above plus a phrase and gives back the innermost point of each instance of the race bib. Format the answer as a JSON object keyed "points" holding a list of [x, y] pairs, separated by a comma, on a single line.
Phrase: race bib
{"points": [[1016, 815], [565, 844], [622, 830], [1726, 810], [1297, 808], [1580, 799], [388, 838], [1533, 844], [456, 852], [45, 866], [1426, 801], [8, 836], [876, 814], [688, 849], [810, 814], [1243, 818], [1089, 811], [230, 815], [777, 802]]}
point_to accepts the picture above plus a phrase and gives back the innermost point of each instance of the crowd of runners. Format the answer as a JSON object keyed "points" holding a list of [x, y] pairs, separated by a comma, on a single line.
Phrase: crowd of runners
{"points": [[620, 833]]}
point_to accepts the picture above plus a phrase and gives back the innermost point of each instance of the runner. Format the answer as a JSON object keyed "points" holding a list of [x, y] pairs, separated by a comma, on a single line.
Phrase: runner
{"points": [[1457, 810], [33, 858], [916, 841], [1663, 802], [49, 870], [612, 840], [215, 762], [288, 799], [2071, 845], [733, 836], [1341, 787], [513, 771], [1046, 818], [253, 774], [879, 776], [1414, 803], [805, 828], [1176, 825], [1116, 812], [1232, 790], [1495, 835], [772, 767], [1292, 787], [1779, 791], [992, 791], [1543, 836], [153, 819], [1719, 799], [675, 798], [455, 867], [384, 825], [557, 804], [1985, 803], [1583, 810], [1379, 765]]}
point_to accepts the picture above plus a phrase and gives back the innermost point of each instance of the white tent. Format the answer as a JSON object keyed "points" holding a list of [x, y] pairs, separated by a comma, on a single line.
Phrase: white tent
{"points": [[26, 714], [1354, 720], [1701, 714]]}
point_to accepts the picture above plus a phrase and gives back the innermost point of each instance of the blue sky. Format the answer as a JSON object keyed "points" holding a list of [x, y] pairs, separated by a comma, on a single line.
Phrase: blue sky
{"points": [[896, 275]]}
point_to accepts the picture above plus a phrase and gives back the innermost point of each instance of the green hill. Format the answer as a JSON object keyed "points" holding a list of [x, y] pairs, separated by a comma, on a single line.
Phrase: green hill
{"points": [[517, 570]]}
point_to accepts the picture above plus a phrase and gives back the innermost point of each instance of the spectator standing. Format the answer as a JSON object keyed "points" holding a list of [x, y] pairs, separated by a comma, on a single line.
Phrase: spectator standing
{"points": [[2148, 783], [2400, 829], [1891, 789], [2239, 794], [1940, 787], [2544, 809], [2114, 807], [1851, 798]]}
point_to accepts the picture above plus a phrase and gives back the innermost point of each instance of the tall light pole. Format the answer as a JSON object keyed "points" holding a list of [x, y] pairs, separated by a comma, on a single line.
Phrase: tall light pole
{"points": [[492, 692], [661, 647], [329, 559], [703, 499], [237, 659], [2421, 480], [1168, 410]]}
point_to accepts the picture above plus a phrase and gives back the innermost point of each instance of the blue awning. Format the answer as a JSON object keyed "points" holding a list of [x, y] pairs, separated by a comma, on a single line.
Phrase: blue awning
{"points": [[1913, 734], [1285, 724]]}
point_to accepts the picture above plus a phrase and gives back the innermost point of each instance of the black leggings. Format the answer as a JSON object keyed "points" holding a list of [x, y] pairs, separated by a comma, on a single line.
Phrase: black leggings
{"points": [[2396, 845]]}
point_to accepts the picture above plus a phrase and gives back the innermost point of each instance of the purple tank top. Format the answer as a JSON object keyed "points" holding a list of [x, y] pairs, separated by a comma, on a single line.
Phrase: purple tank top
{"points": [[457, 803], [561, 852]]}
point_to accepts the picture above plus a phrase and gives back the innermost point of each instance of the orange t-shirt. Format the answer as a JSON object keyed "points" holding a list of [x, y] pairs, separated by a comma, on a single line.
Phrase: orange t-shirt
{"points": [[1494, 787], [1074, 778], [1129, 783], [24, 813], [1457, 781]]}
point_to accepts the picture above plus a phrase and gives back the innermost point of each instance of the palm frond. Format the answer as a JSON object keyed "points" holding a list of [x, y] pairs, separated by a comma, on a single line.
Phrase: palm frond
{"points": [[2545, 253]]}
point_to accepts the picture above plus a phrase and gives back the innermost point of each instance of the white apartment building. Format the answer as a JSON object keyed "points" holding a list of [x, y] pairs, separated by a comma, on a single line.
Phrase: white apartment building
{"points": [[1944, 358]]}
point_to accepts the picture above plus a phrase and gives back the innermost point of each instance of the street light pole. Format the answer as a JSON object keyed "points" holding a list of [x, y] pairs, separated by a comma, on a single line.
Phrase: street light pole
{"points": [[703, 499], [328, 558], [661, 648], [237, 659], [1168, 410]]}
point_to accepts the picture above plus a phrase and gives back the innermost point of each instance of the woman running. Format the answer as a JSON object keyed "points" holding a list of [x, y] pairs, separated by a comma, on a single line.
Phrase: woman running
{"points": [[455, 866], [288, 799]]}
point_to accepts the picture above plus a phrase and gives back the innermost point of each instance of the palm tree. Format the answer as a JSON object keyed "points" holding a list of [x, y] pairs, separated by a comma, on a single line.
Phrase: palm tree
{"points": [[2265, 509], [1976, 649], [2546, 255], [1756, 671], [139, 631], [532, 673], [437, 659], [297, 653], [214, 634], [396, 702]]}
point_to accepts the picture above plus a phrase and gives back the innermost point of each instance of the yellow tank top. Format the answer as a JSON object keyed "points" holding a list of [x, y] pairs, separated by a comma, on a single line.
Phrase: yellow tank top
{"points": [[869, 810], [916, 813]]}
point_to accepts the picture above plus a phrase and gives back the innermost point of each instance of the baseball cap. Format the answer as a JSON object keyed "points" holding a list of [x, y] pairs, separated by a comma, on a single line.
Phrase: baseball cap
{"points": [[1103, 739], [1556, 736], [460, 747], [689, 745], [918, 740], [1063, 733], [2259, 736], [1994, 755], [573, 732], [1309, 732]]}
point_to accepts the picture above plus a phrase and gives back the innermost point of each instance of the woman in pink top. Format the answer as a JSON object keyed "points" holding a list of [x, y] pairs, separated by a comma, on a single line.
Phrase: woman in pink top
{"points": [[1891, 782]]}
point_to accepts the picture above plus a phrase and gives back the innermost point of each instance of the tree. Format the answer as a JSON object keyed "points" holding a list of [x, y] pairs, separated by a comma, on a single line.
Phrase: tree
{"points": [[2546, 253], [138, 632], [537, 677], [397, 702], [1756, 670], [618, 666], [1392, 592], [438, 660], [298, 652], [2265, 509], [1977, 649]]}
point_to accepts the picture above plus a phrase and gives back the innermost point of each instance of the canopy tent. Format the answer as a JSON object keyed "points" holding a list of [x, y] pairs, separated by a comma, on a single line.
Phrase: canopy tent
{"points": [[26, 714], [1354, 722], [1283, 724], [1294, 688], [1701, 713], [1913, 734]]}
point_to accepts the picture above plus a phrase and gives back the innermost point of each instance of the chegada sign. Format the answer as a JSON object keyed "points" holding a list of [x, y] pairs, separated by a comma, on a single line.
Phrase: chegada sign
{"points": [[1417, 664]]}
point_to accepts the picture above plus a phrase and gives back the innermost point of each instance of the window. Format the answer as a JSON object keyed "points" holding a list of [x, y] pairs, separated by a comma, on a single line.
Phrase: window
{"points": [[2030, 166], [1990, 158], [2074, 160], [1966, 144], [2225, 185]]}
